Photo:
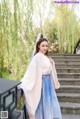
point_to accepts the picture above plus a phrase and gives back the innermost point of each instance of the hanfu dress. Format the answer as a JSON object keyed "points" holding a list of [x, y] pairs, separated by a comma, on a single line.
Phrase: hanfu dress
{"points": [[38, 84]]}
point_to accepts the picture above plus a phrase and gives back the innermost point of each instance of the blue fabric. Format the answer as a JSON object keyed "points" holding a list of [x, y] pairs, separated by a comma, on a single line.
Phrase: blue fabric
{"points": [[48, 107]]}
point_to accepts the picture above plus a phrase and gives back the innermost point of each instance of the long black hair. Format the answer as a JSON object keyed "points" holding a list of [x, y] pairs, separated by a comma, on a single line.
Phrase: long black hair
{"points": [[38, 44]]}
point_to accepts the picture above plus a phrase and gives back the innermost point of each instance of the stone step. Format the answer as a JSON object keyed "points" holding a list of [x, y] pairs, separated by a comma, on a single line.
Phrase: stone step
{"points": [[68, 89], [69, 97], [70, 108], [68, 70], [65, 57], [69, 75], [60, 54], [66, 60], [69, 81], [67, 63], [70, 116], [67, 66]]}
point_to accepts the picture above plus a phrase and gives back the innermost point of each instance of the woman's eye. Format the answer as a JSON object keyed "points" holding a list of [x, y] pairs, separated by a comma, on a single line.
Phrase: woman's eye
{"points": [[43, 45]]}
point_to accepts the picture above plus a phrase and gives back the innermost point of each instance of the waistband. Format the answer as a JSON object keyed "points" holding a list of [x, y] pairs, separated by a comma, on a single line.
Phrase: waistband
{"points": [[46, 75]]}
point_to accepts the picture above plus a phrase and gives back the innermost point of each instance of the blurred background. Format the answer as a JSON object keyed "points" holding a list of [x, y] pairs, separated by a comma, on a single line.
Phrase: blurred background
{"points": [[20, 23]]}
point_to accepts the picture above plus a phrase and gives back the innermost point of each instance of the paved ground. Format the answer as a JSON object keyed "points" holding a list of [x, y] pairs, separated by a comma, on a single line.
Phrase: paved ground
{"points": [[71, 116]]}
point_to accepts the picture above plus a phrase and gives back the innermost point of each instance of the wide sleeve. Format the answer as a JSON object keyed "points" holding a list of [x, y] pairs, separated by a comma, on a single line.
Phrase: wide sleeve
{"points": [[54, 76], [31, 85], [29, 78]]}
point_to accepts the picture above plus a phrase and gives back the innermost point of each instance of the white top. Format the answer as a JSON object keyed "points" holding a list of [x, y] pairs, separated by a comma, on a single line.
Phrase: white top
{"points": [[32, 80]]}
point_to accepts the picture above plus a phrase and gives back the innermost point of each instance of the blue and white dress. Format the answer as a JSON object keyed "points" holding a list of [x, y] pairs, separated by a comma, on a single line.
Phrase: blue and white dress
{"points": [[39, 84]]}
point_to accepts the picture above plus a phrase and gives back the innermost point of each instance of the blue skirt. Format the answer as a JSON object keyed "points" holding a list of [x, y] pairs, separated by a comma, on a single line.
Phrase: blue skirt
{"points": [[48, 107]]}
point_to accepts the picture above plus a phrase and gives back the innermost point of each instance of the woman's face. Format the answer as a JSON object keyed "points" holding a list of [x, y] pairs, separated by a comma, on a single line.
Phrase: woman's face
{"points": [[43, 47]]}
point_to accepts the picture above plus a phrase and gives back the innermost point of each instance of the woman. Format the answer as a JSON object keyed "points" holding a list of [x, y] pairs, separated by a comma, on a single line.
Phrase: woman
{"points": [[39, 83]]}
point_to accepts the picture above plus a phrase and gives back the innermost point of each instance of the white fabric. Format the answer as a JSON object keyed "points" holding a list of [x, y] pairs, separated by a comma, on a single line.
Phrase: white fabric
{"points": [[78, 52], [54, 77], [32, 81]]}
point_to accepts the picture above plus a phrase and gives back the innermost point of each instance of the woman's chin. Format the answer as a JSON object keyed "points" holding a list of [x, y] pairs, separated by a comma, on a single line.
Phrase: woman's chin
{"points": [[44, 52]]}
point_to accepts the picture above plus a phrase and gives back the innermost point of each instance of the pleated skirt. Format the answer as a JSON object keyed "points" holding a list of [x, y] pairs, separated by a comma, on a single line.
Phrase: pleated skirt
{"points": [[48, 107]]}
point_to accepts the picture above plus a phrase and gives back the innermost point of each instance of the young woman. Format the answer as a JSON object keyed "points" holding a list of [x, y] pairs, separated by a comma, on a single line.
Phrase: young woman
{"points": [[39, 83]]}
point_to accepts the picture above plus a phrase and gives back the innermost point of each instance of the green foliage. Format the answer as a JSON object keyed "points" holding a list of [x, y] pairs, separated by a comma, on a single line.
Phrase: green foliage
{"points": [[18, 33], [67, 27], [50, 31], [16, 36], [64, 28]]}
